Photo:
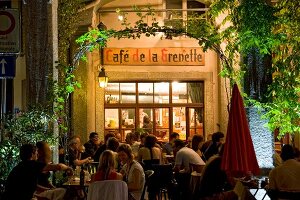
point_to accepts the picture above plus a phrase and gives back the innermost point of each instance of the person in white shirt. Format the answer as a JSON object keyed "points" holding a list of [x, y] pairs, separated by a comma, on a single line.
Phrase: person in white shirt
{"points": [[286, 176], [186, 158], [186, 161]]}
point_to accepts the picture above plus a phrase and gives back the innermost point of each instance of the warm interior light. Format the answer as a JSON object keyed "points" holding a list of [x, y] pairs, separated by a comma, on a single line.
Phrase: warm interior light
{"points": [[102, 78], [120, 17]]}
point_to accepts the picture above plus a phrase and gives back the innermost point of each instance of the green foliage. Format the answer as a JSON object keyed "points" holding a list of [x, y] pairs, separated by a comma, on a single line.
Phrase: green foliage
{"points": [[248, 25], [28, 127]]}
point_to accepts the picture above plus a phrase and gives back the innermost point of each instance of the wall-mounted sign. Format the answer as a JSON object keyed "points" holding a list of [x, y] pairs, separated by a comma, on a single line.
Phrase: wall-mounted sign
{"points": [[154, 56], [7, 67], [9, 31]]}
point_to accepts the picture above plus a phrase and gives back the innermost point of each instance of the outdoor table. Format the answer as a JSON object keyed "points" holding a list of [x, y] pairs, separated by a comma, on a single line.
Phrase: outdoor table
{"points": [[73, 186]]}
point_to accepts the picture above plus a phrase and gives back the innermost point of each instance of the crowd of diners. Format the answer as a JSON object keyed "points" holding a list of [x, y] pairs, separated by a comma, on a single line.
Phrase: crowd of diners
{"points": [[127, 161]]}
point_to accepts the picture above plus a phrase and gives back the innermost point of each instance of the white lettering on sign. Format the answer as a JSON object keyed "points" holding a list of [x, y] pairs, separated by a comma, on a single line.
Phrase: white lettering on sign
{"points": [[3, 62]]}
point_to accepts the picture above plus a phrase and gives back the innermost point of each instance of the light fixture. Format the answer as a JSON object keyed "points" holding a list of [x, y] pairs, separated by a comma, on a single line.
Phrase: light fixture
{"points": [[120, 17], [102, 78]]}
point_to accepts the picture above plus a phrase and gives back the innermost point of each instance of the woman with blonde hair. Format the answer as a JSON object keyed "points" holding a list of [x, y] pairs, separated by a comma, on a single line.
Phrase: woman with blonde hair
{"points": [[106, 169]]}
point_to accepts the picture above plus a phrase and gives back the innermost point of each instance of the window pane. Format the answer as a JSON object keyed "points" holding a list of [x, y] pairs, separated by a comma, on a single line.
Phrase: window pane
{"points": [[161, 92], [146, 119], [128, 94], [162, 124], [112, 93], [145, 92], [196, 92], [179, 122], [179, 92], [111, 119], [128, 118], [162, 117]]}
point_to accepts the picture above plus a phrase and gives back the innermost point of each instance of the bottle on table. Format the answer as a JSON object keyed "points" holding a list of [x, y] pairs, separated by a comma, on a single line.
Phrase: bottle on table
{"points": [[82, 175]]}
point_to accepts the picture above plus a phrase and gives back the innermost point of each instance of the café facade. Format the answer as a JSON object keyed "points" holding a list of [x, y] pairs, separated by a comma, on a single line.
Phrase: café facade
{"points": [[156, 84]]}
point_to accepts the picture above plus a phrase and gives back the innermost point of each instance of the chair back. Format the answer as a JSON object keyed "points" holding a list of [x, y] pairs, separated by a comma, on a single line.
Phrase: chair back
{"points": [[108, 189], [290, 195], [148, 175]]}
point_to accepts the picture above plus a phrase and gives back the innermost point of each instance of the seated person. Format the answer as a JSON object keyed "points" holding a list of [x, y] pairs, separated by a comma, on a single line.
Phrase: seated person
{"points": [[106, 169], [196, 143], [22, 180], [103, 146], [185, 158], [286, 176], [149, 154], [113, 144], [75, 153], [214, 146], [132, 139], [186, 161], [91, 146], [168, 147], [133, 173]]}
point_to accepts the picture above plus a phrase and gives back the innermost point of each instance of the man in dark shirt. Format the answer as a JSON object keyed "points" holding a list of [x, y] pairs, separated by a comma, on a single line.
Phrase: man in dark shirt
{"points": [[92, 145], [22, 180]]}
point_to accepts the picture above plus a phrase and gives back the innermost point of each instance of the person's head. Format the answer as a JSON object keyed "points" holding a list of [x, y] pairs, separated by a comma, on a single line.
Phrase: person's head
{"points": [[150, 141], [196, 141], [44, 152], [217, 137], [287, 152], [118, 136], [107, 136], [130, 138], [112, 144], [174, 136], [143, 137], [125, 153], [94, 137], [146, 119], [28, 152], [75, 142], [178, 144], [106, 160]]}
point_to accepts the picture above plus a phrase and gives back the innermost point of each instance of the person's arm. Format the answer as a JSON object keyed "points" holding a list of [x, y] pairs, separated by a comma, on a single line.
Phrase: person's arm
{"points": [[119, 176], [78, 162], [56, 167], [135, 184]]}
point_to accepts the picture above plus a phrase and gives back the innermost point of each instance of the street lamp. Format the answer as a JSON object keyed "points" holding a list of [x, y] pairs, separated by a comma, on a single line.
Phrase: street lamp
{"points": [[102, 78]]}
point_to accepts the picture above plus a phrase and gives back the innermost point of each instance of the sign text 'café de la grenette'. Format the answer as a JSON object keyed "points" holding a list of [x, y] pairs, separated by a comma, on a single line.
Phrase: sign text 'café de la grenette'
{"points": [[154, 56]]}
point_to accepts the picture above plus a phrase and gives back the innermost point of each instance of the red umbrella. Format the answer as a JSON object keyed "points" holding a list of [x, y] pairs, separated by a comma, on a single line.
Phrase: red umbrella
{"points": [[239, 157]]}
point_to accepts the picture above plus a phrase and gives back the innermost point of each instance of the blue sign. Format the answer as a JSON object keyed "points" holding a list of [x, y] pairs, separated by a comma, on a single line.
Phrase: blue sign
{"points": [[7, 67]]}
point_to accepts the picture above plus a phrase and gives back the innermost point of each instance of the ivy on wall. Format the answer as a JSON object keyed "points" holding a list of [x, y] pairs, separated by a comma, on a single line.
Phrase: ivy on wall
{"points": [[251, 25]]}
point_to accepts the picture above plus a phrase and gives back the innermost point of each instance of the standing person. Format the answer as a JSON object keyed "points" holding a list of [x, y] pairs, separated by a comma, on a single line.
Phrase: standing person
{"points": [[132, 172], [106, 170], [286, 176], [217, 140], [92, 145], [45, 188], [74, 153], [22, 180], [168, 147]]}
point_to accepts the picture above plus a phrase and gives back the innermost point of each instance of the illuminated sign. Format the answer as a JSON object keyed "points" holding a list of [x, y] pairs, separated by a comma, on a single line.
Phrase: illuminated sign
{"points": [[154, 56]]}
